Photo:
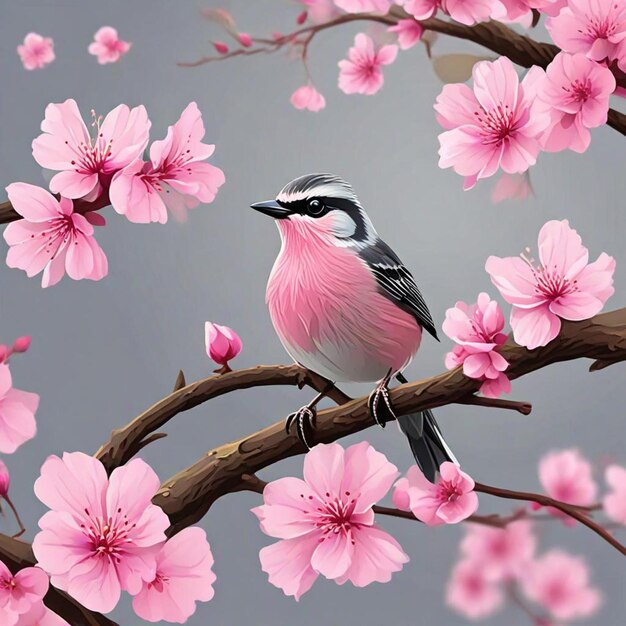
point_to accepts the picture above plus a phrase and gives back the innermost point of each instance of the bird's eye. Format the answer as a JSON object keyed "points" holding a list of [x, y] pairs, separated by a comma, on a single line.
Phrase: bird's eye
{"points": [[315, 207]]}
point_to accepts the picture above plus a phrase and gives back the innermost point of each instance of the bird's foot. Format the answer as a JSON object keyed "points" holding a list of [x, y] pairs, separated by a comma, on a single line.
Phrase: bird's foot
{"points": [[379, 404], [304, 419]]}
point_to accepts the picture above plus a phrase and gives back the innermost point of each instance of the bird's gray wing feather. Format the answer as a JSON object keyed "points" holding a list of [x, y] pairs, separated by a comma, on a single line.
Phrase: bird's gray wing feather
{"points": [[397, 283]]}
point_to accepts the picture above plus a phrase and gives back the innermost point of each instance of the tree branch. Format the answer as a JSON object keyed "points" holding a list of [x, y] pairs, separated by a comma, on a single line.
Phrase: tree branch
{"points": [[570, 510], [123, 442], [492, 35], [188, 495]]}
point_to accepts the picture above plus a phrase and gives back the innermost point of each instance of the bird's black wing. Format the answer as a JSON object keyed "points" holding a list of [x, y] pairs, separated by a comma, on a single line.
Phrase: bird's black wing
{"points": [[397, 283]]}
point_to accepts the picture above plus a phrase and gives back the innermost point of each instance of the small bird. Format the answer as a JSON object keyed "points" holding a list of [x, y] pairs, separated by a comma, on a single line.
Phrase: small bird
{"points": [[345, 307]]}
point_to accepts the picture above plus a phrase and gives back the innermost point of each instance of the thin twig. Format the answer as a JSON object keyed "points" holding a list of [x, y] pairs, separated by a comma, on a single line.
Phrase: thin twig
{"points": [[22, 528], [524, 408], [570, 510]]}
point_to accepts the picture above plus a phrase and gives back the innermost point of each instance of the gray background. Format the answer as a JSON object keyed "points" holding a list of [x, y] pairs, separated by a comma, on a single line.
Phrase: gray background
{"points": [[102, 352]]}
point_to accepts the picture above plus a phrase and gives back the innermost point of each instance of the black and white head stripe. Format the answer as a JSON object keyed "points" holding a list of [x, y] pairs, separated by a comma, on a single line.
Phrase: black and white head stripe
{"points": [[397, 283], [315, 195], [317, 186]]}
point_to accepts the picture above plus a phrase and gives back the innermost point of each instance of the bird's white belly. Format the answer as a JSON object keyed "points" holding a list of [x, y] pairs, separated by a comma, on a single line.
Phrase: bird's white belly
{"points": [[340, 363]]}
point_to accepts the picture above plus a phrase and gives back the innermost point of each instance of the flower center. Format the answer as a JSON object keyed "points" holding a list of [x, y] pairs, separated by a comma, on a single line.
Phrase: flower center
{"points": [[108, 536], [91, 157], [550, 283], [54, 238], [8, 583], [334, 515], [580, 90], [159, 582], [497, 124], [447, 491]]}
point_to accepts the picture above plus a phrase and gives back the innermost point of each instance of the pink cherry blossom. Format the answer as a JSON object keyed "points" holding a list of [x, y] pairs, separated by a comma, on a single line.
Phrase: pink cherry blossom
{"points": [[614, 501], [52, 238], [500, 553], [222, 344], [421, 9], [100, 534], [17, 413], [326, 522], [176, 178], [477, 329], [320, 11], [451, 500], [36, 51], [521, 11], [364, 6], [596, 28], [464, 11], [86, 164], [5, 477], [512, 187], [562, 285], [362, 71], [40, 615], [107, 46], [471, 594], [494, 126], [183, 577], [307, 97], [19, 593], [560, 583], [409, 32], [576, 91], [567, 476]]}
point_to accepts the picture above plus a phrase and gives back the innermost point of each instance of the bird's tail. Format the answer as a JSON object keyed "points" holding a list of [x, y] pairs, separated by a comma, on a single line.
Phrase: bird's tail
{"points": [[427, 443]]}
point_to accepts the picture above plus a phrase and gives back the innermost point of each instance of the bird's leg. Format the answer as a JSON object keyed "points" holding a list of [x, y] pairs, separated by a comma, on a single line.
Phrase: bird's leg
{"points": [[304, 418], [381, 393]]}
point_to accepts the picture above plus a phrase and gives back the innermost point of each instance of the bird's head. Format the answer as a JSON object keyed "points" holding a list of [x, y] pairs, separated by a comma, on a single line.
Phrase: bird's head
{"points": [[322, 206]]}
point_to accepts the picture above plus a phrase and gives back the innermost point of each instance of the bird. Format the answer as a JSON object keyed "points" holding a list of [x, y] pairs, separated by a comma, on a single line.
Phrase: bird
{"points": [[345, 306]]}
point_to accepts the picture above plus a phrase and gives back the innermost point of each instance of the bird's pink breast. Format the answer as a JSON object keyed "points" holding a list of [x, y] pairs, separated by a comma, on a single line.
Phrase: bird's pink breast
{"points": [[329, 315]]}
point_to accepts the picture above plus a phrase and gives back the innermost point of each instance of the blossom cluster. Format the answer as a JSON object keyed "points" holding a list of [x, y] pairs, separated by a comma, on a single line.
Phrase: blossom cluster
{"points": [[37, 51], [103, 535], [496, 562], [499, 122], [562, 285], [57, 233]]}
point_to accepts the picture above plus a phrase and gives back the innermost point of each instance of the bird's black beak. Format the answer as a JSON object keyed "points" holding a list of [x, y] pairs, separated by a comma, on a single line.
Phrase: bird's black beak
{"points": [[271, 208]]}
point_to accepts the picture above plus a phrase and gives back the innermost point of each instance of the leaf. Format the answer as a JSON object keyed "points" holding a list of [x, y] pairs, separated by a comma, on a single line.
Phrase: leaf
{"points": [[456, 68], [221, 17]]}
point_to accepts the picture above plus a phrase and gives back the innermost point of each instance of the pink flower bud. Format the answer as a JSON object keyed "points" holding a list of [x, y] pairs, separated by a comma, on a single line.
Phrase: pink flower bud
{"points": [[222, 343], [221, 47], [276, 36], [5, 479], [302, 17], [21, 344], [4, 352], [245, 40]]}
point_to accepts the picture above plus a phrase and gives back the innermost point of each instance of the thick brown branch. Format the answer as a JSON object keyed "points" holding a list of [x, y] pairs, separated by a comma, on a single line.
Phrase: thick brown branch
{"points": [[187, 496], [124, 441], [493, 35], [17, 555]]}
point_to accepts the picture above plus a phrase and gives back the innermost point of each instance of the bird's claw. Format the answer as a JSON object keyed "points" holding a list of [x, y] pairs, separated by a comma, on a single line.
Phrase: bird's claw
{"points": [[304, 419], [374, 405]]}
